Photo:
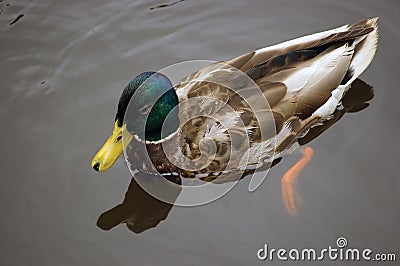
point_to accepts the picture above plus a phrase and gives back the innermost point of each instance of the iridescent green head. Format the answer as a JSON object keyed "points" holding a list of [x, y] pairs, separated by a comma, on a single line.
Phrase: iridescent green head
{"points": [[145, 104], [148, 109]]}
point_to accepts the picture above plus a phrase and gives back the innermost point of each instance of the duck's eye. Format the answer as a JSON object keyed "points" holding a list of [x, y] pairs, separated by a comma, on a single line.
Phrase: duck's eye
{"points": [[119, 138], [145, 109]]}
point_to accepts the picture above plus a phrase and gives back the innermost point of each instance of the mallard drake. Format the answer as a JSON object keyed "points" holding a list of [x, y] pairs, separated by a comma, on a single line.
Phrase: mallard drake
{"points": [[211, 127], [140, 211]]}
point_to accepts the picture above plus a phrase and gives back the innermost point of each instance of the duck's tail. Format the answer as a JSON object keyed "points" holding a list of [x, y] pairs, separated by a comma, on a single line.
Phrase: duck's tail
{"points": [[364, 51]]}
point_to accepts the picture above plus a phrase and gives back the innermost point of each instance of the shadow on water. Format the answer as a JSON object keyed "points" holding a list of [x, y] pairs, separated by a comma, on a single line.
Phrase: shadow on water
{"points": [[140, 211]]}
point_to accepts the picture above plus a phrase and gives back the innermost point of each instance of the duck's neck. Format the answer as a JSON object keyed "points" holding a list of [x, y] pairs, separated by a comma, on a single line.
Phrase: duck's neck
{"points": [[161, 134]]}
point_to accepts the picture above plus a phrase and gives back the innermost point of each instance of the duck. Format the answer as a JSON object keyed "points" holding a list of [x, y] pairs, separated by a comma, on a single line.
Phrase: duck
{"points": [[140, 211], [234, 116]]}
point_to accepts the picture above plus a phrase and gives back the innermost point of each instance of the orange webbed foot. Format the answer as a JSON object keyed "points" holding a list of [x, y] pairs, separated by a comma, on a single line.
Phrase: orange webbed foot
{"points": [[289, 178]]}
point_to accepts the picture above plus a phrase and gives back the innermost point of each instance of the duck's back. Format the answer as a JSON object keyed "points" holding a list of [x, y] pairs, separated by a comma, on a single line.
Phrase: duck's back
{"points": [[302, 81], [305, 79]]}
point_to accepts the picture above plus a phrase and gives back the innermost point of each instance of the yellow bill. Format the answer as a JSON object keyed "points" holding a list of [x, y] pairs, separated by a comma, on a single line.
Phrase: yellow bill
{"points": [[110, 151]]}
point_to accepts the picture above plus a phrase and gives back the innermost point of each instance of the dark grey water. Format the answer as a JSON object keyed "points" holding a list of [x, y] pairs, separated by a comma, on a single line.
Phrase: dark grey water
{"points": [[63, 66]]}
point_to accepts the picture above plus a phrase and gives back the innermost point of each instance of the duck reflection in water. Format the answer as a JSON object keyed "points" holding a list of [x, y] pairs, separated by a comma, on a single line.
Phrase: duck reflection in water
{"points": [[140, 211]]}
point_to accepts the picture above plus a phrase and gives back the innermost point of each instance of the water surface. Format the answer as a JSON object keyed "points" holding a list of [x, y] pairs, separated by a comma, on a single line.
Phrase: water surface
{"points": [[63, 67]]}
